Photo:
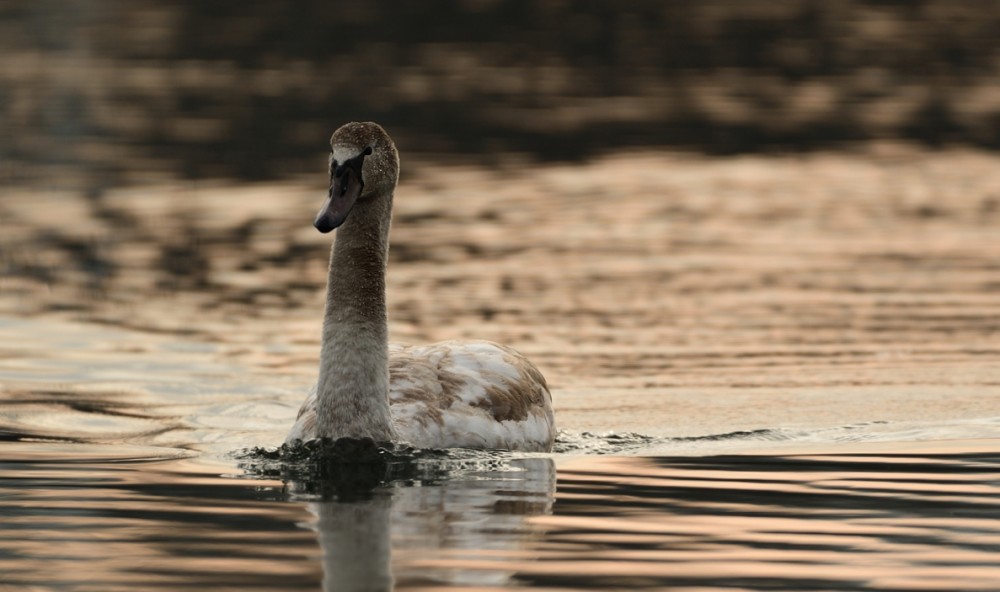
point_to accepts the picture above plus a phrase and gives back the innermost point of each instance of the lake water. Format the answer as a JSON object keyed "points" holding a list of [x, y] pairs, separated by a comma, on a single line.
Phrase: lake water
{"points": [[796, 357], [118, 474]]}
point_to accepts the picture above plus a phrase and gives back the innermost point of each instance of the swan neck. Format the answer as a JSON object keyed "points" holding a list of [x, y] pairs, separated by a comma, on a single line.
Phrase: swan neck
{"points": [[353, 387]]}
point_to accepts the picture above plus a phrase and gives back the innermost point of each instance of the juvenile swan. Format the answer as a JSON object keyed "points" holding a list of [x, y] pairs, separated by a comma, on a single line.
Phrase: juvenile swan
{"points": [[451, 394]]}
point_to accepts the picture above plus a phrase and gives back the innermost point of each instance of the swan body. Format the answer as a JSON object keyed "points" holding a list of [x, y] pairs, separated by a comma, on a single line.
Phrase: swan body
{"points": [[451, 394]]}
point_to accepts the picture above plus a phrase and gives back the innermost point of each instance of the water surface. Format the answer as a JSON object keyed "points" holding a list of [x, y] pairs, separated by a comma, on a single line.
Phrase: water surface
{"points": [[85, 517], [797, 358], [118, 473]]}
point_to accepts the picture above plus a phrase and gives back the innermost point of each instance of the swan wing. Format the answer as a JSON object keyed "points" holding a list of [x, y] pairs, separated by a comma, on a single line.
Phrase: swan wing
{"points": [[471, 394]]}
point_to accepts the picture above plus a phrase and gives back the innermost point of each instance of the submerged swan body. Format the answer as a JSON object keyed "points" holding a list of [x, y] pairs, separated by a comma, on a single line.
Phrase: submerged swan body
{"points": [[446, 395]]}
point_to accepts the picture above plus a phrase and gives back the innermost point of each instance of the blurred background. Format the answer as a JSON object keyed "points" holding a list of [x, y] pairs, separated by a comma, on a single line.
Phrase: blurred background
{"points": [[105, 92], [577, 176]]}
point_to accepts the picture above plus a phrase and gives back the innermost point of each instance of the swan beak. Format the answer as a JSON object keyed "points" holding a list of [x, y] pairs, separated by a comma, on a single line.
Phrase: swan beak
{"points": [[344, 191]]}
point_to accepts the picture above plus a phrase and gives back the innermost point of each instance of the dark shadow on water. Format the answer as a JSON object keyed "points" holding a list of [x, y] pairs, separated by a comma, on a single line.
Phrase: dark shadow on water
{"points": [[164, 86], [348, 468]]}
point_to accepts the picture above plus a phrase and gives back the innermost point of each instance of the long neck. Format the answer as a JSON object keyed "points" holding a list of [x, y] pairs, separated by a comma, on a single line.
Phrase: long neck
{"points": [[353, 388]]}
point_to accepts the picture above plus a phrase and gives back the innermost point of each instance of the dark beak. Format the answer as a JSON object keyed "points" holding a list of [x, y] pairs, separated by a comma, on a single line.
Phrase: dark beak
{"points": [[345, 187]]}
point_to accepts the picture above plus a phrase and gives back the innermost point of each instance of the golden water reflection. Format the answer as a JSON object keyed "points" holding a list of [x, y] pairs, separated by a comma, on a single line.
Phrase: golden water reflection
{"points": [[104, 518], [899, 521]]}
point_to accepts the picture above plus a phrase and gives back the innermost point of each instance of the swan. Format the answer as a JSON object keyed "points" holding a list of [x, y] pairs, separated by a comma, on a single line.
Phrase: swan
{"points": [[471, 394]]}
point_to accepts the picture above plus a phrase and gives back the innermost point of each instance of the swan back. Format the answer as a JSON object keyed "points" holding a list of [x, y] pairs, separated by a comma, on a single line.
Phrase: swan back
{"points": [[472, 394]]}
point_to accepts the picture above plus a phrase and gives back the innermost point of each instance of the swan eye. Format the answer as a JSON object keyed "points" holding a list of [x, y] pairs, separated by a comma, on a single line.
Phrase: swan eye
{"points": [[333, 164], [368, 151]]}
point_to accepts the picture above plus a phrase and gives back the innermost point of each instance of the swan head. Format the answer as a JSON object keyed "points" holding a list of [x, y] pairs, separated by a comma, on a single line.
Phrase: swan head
{"points": [[364, 165]]}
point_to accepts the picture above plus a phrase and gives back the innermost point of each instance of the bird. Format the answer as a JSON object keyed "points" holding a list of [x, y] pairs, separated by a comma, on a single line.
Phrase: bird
{"points": [[452, 394]]}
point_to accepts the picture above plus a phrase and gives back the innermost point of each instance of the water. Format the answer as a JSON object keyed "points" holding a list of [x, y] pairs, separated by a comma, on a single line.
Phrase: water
{"points": [[800, 376], [120, 518], [112, 91], [123, 518], [772, 372], [124, 471]]}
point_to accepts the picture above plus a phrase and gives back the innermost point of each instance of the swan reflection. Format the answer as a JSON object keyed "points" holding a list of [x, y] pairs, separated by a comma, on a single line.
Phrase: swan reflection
{"points": [[382, 538]]}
